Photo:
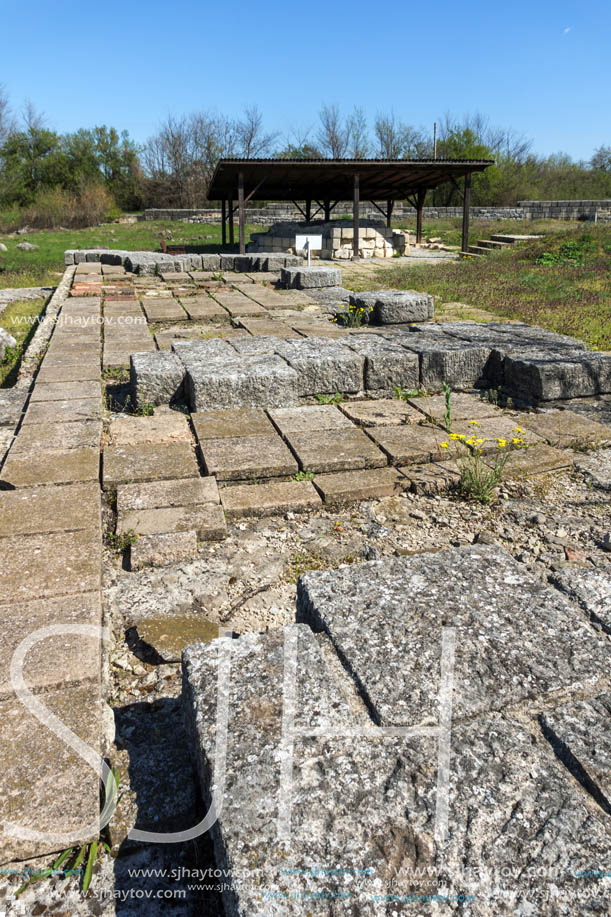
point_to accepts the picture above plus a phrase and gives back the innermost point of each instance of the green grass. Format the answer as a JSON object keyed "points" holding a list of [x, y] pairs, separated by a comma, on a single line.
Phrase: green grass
{"points": [[18, 320], [40, 268], [533, 282], [450, 231]]}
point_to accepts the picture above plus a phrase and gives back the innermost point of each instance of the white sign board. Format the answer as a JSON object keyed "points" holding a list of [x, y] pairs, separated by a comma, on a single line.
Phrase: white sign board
{"points": [[309, 243]]}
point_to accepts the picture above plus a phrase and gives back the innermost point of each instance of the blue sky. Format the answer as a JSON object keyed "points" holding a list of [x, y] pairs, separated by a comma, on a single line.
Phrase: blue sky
{"points": [[540, 67]]}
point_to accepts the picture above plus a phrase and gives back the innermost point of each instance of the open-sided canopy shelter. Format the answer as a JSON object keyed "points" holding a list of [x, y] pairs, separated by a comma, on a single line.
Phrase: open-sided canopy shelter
{"points": [[325, 182]]}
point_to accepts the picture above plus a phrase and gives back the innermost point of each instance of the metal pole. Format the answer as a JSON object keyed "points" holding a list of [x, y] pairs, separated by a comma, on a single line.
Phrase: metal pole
{"points": [[231, 240], [465, 213], [355, 218], [223, 223], [241, 212], [434, 140]]}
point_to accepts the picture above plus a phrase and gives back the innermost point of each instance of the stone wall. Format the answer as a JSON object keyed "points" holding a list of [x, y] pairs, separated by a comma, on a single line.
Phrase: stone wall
{"points": [[275, 211], [375, 240]]}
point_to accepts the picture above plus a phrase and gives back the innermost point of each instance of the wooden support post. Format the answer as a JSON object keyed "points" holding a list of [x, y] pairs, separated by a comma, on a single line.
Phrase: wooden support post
{"points": [[419, 209], [241, 212], [231, 222], [355, 218], [389, 209], [327, 211], [223, 223], [465, 213], [308, 213]]}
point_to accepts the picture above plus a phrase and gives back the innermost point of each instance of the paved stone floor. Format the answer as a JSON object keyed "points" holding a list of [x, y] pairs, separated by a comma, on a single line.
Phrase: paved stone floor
{"points": [[166, 523]]}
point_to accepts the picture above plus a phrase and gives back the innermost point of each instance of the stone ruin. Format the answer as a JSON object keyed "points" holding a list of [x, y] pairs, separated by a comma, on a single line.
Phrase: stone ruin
{"points": [[376, 240]]}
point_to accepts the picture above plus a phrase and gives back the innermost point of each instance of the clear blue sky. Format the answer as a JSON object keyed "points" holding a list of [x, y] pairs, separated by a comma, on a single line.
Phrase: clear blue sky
{"points": [[541, 67]]}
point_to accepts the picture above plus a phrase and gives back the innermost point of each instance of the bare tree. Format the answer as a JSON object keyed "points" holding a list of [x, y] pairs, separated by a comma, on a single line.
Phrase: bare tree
{"points": [[33, 121], [251, 138], [359, 144], [333, 134], [7, 122]]}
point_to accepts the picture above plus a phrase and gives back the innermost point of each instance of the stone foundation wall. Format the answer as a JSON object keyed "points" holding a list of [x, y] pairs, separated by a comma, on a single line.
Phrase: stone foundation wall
{"points": [[375, 240], [524, 210]]}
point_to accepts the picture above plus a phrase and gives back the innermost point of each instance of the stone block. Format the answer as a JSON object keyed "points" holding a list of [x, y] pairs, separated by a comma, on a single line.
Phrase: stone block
{"points": [[11, 406], [156, 378], [432, 477], [255, 381], [579, 733], [546, 375], [242, 458], [414, 443], [386, 364], [53, 467], [350, 486], [541, 459], [392, 307], [323, 366], [163, 310], [226, 262], [40, 566], [65, 391], [302, 278], [463, 407], [57, 660], [590, 590], [204, 310], [596, 468], [475, 590], [243, 422], [211, 262], [269, 499], [192, 353], [160, 461], [155, 494], [462, 365], [335, 450], [58, 437], [44, 784], [84, 371], [567, 429], [38, 510], [312, 418], [381, 412], [166, 427], [207, 520]]}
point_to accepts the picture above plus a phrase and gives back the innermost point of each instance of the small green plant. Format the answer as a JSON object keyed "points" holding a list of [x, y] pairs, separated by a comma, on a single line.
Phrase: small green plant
{"points": [[119, 542], [218, 276], [353, 316], [116, 374], [304, 476], [146, 410], [337, 398], [447, 417], [404, 393]]}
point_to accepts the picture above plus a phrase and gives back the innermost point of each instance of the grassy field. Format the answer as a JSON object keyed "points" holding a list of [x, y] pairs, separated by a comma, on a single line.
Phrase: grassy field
{"points": [[19, 319], [40, 268], [561, 282], [450, 231]]}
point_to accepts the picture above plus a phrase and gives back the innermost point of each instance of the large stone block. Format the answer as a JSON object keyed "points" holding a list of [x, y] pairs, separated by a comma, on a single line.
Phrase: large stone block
{"points": [[501, 657], [323, 366], [591, 590], [386, 364], [547, 375], [156, 378], [462, 365], [245, 381], [302, 278], [393, 307], [211, 262]]}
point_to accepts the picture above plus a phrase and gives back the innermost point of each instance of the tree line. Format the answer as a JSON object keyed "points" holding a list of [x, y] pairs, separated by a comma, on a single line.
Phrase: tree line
{"points": [[175, 166]]}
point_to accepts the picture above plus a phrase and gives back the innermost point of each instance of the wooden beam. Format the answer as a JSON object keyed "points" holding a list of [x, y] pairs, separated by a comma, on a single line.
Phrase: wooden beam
{"points": [[419, 209], [299, 209], [389, 209], [241, 212], [308, 213], [231, 239], [327, 206], [378, 208], [355, 217], [465, 212], [223, 223]]}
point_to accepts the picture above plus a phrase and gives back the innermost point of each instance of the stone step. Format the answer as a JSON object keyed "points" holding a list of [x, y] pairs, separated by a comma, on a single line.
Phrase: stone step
{"points": [[478, 250], [492, 244], [511, 237]]}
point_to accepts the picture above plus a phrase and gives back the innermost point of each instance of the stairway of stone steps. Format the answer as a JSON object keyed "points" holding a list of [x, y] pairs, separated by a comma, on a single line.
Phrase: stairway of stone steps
{"points": [[497, 243]]}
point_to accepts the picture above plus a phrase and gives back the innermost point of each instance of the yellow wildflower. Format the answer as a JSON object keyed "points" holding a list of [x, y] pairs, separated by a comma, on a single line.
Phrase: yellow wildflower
{"points": [[474, 423], [445, 445]]}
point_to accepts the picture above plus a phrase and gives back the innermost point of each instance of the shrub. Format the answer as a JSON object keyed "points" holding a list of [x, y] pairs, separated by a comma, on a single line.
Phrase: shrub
{"points": [[56, 207]]}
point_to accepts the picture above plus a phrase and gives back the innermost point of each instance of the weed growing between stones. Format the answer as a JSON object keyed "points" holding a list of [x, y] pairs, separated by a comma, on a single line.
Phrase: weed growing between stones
{"points": [[304, 476], [478, 479], [353, 316], [118, 543], [116, 374], [330, 399], [404, 393], [447, 417]]}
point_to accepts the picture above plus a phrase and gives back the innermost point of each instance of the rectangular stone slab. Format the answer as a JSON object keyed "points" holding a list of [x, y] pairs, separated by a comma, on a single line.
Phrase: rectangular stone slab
{"points": [[163, 550], [63, 411], [547, 376], [38, 510], [566, 428], [242, 422], [41, 566], [335, 450], [386, 364], [462, 405], [164, 427], [539, 459], [53, 467], [182, 492], [241, 458], [84, 434], [269, 499], [156, 378], [159, 461], [461, 365], [44, 784], [431, 478], [414, 443], [55, 661], [69, 372], [204, 310], [401, 605], [313, 418], [167, 310], [265, 381], [207, 519], [65, 391], [380, 412], [505, 427], [350, 486], [323, 366]]}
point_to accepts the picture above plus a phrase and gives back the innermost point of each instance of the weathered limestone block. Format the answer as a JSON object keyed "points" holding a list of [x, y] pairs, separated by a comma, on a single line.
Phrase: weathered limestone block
{"points": [[461, 364], [546, 375], [580, 734], [302, 278], [386, 364], [211, 262], [591, 590], [323, 366], [393, 307], [163, 550], [156, 378], [244, 381]]}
